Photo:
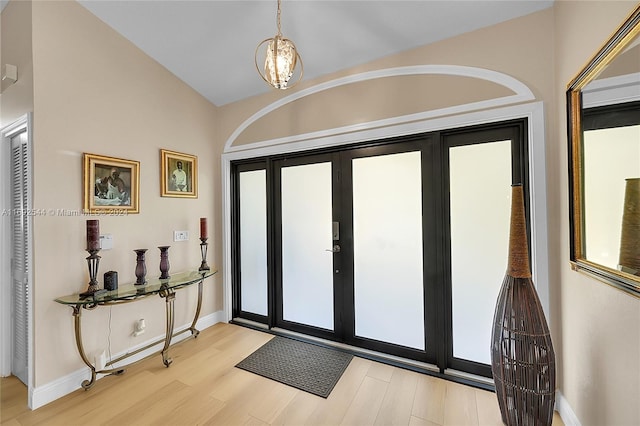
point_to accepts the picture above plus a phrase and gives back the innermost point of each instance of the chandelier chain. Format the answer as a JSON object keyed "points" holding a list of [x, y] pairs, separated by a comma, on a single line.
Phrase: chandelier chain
{"points": [[279, 30]]}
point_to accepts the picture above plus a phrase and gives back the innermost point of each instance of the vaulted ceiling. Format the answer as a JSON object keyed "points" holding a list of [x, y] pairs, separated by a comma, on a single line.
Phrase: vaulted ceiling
{"points": [[210, 44]]}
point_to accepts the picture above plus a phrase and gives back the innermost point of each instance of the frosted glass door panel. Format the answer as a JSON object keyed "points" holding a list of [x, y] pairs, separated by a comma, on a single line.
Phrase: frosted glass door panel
{"points": [[387, 239], [307, 266], [480, 191], [253, 241], [604, 189]]}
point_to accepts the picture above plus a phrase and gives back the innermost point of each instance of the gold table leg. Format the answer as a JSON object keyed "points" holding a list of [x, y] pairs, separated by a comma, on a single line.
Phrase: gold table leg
{"points": [[170, 297], [194, 330], [86, 384]]}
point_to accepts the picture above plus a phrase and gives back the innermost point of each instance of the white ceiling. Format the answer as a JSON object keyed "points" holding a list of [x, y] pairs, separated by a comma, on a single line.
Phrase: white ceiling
{"points": [[210, 44]]}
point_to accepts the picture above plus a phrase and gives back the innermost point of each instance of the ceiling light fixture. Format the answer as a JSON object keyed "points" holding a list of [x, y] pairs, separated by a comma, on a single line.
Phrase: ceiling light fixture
{"points": [[280, 60]]}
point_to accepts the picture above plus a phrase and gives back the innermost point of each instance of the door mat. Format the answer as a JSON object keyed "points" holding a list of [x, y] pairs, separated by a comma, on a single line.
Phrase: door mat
{"points": [[308, 367]]}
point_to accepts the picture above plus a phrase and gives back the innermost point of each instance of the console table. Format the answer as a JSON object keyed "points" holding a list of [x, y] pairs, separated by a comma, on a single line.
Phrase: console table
{"points": [[164, 288]]}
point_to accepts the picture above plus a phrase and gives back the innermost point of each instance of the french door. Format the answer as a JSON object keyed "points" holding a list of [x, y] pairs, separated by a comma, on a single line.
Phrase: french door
{"points": [[397, 246], [349, 246]]}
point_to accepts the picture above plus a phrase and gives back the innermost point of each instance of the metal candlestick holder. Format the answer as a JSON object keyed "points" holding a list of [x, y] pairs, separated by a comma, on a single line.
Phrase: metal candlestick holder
{"points": [[93, 261], [203, 250]]}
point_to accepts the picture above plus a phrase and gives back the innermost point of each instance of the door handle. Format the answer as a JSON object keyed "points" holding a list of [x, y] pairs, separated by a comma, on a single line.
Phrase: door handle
{"points": [[335, 249]]}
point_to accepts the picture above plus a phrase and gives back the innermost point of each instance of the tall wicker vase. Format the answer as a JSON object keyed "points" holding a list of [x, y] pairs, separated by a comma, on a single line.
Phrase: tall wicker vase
{"points": [[522, 356], [629, 260]]}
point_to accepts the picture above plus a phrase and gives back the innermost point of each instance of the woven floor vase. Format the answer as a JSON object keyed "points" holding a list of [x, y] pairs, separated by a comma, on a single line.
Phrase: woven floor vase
{"points": [[630, 235], [522, 356]]}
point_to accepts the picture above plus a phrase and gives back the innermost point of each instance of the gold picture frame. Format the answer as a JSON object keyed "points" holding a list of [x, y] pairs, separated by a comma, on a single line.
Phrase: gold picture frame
{"points": [[596, 87], [111, 185], [178, 174]]}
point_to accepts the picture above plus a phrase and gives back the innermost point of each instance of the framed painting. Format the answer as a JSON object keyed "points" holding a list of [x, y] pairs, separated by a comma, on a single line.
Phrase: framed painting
{"points": [[178, 174], [111, 185]]}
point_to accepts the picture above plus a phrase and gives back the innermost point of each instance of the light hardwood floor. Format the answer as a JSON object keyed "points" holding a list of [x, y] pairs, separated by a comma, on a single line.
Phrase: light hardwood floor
{"points": [[202, 387]]}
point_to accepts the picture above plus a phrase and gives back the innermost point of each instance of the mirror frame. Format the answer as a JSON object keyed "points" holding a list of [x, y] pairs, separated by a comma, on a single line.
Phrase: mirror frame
{"points": [[625, 34]]}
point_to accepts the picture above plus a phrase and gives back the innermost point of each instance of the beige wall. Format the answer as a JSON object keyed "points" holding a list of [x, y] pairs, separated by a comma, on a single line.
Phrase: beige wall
{"points": [[15, 49], [508, 48], [626, 62], [97, 93], [343, 105], [600, 325]]}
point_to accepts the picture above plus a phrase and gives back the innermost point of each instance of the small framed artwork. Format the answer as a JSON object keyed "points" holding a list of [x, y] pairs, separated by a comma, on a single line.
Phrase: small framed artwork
{"points": [[179, 174], [111, 185]]}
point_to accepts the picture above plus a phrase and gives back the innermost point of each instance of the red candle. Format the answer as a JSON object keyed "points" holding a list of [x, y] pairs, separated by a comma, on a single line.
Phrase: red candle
{"points": [[93, 235], [203, 227]]}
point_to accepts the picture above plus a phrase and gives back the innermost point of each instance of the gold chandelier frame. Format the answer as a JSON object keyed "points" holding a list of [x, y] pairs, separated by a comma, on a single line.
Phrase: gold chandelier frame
{"points": [[277, 40]]}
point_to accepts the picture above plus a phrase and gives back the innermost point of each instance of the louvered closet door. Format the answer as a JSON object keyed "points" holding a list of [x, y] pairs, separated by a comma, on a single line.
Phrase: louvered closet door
{"points": [[20, 259]]}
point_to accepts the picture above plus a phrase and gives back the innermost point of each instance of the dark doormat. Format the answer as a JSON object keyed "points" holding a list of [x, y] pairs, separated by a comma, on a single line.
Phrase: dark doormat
{"points": [[305, 366]]}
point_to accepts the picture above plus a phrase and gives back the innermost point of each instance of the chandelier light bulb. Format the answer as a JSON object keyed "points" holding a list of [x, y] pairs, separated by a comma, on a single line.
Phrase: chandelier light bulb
{"points": [[280, 60]]}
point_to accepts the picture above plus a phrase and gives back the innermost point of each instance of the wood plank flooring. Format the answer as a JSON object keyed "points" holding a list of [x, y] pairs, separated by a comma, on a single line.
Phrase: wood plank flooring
{"points": [[202, 387]]}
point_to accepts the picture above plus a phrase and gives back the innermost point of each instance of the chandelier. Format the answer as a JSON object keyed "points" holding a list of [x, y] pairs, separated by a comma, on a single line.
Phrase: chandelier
{"points": [[280, 59]]}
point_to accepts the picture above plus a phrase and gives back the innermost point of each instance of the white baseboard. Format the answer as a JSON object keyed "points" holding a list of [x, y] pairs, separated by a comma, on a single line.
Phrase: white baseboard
{"points": [[58, 388], [566, 412]]}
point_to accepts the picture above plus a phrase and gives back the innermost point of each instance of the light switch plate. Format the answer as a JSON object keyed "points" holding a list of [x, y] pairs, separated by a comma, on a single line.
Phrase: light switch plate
{"points": [[180, 235]]}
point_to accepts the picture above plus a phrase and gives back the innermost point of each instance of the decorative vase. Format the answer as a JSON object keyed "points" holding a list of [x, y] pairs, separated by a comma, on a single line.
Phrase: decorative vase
{"points": [[164, 262], [141, 267], [522, 355], [629, 259]]}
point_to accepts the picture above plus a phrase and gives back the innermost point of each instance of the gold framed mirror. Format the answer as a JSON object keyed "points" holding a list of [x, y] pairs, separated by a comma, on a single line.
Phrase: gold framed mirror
{"points": [[603, 106]]}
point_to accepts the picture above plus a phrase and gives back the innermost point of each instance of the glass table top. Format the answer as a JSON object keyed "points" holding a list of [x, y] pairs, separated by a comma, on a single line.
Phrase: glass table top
{"points": [[126, 292]]}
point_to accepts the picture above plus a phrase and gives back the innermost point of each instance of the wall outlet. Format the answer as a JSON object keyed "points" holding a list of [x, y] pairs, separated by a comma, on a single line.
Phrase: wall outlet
{"points": [[180, 235], [138, 327], [100, 360]]}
